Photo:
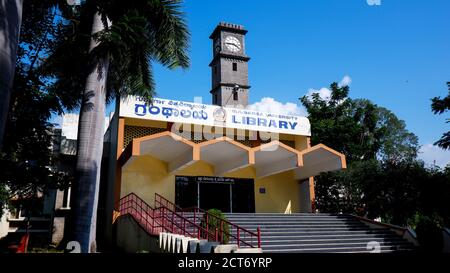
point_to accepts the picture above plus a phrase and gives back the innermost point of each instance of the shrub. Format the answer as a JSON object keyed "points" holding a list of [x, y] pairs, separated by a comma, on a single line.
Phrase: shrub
{"points": [[429, 233], [213, 224]]}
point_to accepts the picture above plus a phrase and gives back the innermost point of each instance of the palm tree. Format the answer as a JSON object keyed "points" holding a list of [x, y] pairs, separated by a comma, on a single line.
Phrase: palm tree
{"points": [[10, 21], [125, 37]]}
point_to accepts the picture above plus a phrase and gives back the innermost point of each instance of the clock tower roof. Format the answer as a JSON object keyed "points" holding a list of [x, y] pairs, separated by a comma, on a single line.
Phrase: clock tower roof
{"points": [[228, 27]]}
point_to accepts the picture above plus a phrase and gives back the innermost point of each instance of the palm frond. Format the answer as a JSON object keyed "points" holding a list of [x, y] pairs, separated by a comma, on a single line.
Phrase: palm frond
{"points": [[142, 31], [171, 34]]}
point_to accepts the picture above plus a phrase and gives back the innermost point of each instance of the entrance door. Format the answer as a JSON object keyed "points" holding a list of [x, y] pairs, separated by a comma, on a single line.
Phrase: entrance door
{"points": [[243, 194], [186, 192], [215, 196], [223, 193]]}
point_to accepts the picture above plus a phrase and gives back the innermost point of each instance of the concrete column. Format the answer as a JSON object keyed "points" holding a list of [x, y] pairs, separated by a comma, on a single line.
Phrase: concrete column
{"points": [[306, 193]]}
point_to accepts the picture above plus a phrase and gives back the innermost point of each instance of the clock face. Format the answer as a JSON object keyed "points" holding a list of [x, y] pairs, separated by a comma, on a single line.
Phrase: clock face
{"points": [[232, 44]]}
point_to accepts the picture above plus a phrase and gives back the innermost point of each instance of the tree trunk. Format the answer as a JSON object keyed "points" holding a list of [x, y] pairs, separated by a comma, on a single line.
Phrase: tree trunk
{"points": [[10, 21], [89, 151]]}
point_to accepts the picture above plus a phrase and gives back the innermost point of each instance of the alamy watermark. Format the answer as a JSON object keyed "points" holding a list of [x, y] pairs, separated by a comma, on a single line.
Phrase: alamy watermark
{"points": [[198, 132]]}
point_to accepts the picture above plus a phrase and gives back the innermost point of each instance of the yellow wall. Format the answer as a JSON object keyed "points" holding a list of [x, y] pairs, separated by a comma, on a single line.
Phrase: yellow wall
{"points": [[282, 193], [302, 142], [146, 175]]}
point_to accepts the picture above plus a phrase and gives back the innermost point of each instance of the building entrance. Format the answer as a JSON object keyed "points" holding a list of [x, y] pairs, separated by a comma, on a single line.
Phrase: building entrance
{"points": [[223, 193]]}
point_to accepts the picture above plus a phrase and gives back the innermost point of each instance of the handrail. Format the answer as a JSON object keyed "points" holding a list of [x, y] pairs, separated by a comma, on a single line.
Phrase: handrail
{"points": [[381, 224], [142, 212], [219, 234], [168, 217], [405, 233], [159, 219]]}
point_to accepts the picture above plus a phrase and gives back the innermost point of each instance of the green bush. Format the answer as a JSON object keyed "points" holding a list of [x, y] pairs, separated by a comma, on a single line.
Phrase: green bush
{"points": [[429, 233], [213, 224]]}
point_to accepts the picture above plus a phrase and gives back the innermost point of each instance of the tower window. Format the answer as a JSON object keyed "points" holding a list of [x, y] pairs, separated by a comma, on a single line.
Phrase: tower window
{"points": [[234, 66], [235, 95], [215, 98], [215, 70]]}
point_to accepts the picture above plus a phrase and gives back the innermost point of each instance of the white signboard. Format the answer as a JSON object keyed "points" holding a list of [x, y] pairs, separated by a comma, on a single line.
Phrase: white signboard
{"points": [[213, 115]]}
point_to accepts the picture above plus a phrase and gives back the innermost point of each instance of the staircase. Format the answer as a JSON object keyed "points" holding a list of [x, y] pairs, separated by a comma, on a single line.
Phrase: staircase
{"points": [[273, 232], [165, 216], [318, 233]]}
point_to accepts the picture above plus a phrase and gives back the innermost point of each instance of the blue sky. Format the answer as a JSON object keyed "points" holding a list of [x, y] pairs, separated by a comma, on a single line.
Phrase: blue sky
{"points": [[397, 54]]}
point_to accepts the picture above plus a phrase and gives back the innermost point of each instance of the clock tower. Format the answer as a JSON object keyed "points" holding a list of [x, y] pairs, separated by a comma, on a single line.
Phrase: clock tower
{"points": [[229, 66]]}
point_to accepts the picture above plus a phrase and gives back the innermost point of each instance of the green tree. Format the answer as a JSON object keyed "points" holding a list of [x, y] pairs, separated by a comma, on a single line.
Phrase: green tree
{"points": [[434, 198], [4, 198], [10, 31], [346, 125], [397, 144], [400, 191], [26, 159], [110, 53], [429, 233], [349, 191], [358, 128], [378, 148], [440, 106]]}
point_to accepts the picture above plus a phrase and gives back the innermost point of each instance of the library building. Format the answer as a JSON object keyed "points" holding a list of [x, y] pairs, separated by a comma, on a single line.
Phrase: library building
{"points": [[215, 156]]}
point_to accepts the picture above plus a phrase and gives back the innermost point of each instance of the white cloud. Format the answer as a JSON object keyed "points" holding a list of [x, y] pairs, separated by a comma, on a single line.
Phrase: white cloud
{"points": [[270, 105], [433, 155], [324, 93], [346, 81]]}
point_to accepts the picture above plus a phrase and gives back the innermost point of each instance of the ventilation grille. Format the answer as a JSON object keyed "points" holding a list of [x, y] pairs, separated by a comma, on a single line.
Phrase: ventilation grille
{"points": [[289, 143], [247, 142], [132, 132]]}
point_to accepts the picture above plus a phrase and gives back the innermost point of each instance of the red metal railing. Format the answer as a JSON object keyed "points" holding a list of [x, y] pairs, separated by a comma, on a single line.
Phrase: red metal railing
{"points": [[159, 219], [236, 233], [141, 212], [168, 217]]}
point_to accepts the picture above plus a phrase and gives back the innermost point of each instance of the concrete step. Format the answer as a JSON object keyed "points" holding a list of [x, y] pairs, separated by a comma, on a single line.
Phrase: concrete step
{"points": [[310, 233], [331, 241], [336, 249], [329, 244], [326, 237], [293, 221], [299, 226], [300, 235], [312, 218], [309, 229], [307, 221], [283, 214], [294, 215]]}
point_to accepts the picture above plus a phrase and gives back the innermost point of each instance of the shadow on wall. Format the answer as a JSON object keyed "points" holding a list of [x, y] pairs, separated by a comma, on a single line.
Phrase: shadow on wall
{"points": [[131, 238]]}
